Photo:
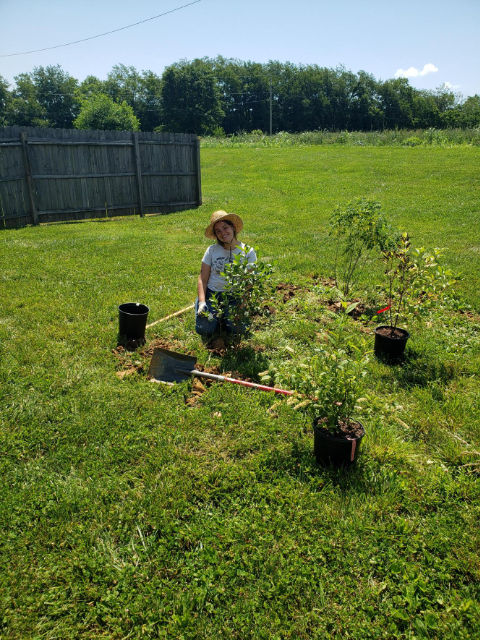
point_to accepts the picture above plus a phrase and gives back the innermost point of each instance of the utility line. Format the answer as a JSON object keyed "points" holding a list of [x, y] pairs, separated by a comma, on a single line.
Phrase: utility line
{"points": [[22, 53]]}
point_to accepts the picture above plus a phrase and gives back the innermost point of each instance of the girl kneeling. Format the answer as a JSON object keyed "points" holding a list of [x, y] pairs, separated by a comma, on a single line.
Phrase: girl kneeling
{"points": [[223, 228]]}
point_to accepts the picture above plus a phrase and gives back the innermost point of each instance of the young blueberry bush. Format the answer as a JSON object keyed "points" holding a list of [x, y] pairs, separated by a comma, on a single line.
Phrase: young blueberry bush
{"points": [[332, 379], [247, 286], [415, 281], [359, 228]]}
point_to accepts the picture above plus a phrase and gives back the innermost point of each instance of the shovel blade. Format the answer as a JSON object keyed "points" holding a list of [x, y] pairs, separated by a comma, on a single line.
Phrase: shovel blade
{"points": [[170, 366]]}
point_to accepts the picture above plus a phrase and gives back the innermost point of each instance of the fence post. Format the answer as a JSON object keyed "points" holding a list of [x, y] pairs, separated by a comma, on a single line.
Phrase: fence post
{"points": [[199, 177], [138, 170], [28, 177]]}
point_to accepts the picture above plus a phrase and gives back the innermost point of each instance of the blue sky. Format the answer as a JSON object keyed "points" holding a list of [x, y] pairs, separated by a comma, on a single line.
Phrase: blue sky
{"points": [[432, 41]]}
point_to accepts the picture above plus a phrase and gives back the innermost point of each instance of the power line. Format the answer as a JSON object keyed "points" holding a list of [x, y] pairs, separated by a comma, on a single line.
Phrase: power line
{"points": [[22, 53]]}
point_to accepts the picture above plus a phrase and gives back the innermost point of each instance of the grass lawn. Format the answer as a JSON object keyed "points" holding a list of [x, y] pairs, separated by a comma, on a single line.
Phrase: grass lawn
{"points": [[130, 509]]}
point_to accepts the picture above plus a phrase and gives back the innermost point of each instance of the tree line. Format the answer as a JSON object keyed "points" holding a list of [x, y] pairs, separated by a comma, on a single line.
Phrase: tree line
{"points": [[225, 96]]}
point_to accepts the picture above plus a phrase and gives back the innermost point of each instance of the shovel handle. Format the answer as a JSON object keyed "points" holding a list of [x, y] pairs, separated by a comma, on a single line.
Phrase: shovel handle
{"points": [[244, 383], [172, 315], [262, 387]]}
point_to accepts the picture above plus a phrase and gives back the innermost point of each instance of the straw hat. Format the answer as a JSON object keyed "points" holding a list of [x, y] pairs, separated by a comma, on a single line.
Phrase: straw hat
{"points": [[223, 215]]}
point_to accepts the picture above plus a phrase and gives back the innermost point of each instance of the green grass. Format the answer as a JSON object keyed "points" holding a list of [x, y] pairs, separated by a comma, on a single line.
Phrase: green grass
{"points": [[126, 512], [389, 138]]}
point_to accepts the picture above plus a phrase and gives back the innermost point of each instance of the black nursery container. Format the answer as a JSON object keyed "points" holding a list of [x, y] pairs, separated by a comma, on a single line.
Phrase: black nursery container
{"points": [[390, 347], [132, 320], [339, 452]]}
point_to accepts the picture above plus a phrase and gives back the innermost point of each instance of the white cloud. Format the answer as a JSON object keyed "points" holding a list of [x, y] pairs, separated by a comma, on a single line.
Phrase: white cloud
{"points": [[449, 85], [414, 73]]}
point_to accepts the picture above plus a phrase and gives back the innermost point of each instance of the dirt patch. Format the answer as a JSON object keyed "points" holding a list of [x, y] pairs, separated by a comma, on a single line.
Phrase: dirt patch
{"points": [[126, 364], [287, 289], [468, 314], [268, 310], [163, 343], [334, 306], [326, 282], [360, 310], [217, 346]]}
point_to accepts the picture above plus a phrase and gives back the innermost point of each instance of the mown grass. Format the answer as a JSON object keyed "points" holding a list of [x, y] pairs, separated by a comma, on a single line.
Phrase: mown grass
{"points": [[127, 512]]}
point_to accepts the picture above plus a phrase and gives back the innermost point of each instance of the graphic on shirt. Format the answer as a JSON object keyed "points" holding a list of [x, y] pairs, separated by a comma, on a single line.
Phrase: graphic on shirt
{"points": [[218, 264]]}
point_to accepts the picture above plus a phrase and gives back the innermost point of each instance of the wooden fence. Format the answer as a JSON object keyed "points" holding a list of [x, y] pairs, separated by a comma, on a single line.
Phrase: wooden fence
{"points": [[50, 175]]}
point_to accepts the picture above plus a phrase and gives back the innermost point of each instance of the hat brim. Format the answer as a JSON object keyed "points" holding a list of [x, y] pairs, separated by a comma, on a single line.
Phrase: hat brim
{"points": [[232, 217]]}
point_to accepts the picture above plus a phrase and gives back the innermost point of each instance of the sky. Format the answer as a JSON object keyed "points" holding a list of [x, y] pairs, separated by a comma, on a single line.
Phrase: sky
{"points": [[432, 42]]}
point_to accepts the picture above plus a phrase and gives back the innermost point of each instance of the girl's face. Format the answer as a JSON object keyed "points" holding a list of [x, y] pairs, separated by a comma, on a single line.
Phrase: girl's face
{"points": [[224, 232]]}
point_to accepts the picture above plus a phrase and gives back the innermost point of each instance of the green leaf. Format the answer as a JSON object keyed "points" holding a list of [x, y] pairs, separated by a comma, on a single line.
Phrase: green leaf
{"points": [[351, 307], [400, 615]]}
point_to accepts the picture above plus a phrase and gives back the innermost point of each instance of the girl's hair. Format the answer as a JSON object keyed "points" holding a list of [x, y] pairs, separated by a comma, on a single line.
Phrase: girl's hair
{"points": [[231, 225]]}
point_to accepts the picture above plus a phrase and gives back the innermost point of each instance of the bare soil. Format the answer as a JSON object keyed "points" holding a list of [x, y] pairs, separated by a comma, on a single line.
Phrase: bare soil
{"points": [[346, 430], [387, 332], [287, 289]]}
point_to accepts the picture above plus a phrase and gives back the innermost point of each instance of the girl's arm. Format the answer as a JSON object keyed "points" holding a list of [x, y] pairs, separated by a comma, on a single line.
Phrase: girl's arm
{"points": [[203, 281]]}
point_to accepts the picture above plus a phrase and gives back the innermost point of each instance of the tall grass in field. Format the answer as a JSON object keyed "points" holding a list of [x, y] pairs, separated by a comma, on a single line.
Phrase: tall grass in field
{"points": [[131, 509], [396, 138]]}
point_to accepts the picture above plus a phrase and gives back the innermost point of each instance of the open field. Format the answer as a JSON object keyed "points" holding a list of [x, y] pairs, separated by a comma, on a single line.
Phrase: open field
{"points": [[133, 510]]}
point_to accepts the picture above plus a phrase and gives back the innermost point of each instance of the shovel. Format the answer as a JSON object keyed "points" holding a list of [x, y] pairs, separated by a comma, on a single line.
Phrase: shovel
{"points": [[168, 366]]}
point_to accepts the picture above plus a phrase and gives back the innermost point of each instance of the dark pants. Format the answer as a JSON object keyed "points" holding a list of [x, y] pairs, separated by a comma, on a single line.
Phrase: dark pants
{"points": [[206, 327]]}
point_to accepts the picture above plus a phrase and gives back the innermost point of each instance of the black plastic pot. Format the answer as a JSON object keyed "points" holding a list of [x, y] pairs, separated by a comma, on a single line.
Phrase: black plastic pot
{"points": [[339, 452], [388, 346], [132, 320]]}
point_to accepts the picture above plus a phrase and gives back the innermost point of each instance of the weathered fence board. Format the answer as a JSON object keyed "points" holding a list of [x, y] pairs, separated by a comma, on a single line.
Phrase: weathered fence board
{"points": [[50, 175]]}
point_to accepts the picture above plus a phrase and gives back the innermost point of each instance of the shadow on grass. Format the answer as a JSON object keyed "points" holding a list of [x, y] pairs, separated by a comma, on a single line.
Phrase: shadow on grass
{"points": [[301, 466], [243, 358], [246, 360], [130, 344], [419, 368]]}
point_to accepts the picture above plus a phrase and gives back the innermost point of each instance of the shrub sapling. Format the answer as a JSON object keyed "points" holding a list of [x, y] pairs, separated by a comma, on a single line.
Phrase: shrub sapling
{"points": [[247, 286], [358, 228], [415, 281]]}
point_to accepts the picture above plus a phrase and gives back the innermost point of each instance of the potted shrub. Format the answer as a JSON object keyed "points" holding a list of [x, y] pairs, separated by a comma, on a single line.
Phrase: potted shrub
{"points": [[332, 382], [415, 281]]}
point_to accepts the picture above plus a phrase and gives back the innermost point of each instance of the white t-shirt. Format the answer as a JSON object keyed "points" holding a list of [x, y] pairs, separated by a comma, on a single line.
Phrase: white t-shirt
{"points": [[217, 257]]}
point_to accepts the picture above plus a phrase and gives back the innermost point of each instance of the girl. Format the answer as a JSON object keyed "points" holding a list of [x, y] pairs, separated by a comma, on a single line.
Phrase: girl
{"points": [[223, 228]]}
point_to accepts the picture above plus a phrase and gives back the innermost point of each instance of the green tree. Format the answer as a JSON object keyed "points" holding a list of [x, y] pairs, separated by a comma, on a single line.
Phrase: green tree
{"points": [[56, 91], [365, 109], [244, 91], [102, 113], [190, 98], [5, 102], [397, 104], [90, 86], [25, 109], [141, 91], [149, 101], [425, 110], [469, 112]]}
